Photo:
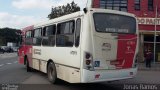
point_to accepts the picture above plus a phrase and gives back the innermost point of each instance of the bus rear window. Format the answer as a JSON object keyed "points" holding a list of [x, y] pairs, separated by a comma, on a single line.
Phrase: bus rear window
{"points": [[113, 23]]}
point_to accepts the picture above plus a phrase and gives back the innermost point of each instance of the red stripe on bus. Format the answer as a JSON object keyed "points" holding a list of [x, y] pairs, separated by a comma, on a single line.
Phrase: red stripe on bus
{"points": [[126, 50]]}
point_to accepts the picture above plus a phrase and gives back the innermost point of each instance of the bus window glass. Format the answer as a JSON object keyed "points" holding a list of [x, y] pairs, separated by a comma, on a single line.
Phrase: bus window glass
{"points": [[44, 31], [65, 35], [28, 39], [66, 28], [50, 30], [28, 34], [112, 23], [37, 37], [71, 30], [37, 33], [45, 41], [77, 33], [49, 35]]}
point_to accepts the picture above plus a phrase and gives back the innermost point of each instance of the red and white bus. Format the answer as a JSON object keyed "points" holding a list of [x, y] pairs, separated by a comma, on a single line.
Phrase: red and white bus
{"points": [[93, 46]]}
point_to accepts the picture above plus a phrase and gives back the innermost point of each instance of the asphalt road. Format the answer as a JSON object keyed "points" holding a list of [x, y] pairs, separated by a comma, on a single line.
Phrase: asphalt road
{"points": [[11, 71], [15, 75]]}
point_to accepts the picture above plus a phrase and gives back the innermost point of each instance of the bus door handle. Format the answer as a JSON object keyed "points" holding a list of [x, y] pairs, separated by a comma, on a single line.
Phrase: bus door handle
{"points": [[73, 52]]}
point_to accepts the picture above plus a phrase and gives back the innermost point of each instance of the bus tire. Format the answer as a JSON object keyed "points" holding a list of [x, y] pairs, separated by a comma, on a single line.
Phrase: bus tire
{"points": [[27, 65], [51, 72]]}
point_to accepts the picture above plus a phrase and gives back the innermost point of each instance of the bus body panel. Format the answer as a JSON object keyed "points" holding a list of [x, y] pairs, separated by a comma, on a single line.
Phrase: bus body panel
{"points": [[113, 54], [126, 51], [59, 55], [67, 59], [21, 54], [21, 50], [69, 74], [105, 50], [25, 51], [113, 50], [107, 75]]}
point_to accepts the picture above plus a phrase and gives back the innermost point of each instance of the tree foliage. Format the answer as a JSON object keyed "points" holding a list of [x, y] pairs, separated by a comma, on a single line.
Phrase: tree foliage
{"points": [[9, 35], [63, 10]]}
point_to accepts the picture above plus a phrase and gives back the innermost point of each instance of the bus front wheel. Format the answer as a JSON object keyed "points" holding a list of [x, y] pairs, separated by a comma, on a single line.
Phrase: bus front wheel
{"points": [[52, 74]]}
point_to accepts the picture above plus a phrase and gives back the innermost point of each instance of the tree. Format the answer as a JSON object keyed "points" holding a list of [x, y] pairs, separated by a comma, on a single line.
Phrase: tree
{"points": [[9, 35], [1, 40], [63, 10]]}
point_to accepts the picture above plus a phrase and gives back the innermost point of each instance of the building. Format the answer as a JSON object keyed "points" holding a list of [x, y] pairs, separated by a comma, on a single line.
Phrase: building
{"points": [[148, 14]]}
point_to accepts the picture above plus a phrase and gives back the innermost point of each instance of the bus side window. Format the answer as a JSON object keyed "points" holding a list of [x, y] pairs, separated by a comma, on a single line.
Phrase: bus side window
{"points": [[65, 34], [77, 32], [37, 37], [44, 31], [28, 34], [28, 38], [49, 35]]}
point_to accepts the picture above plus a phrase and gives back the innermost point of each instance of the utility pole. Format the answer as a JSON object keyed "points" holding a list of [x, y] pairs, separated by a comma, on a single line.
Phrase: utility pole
{"points": [[155, 31]]}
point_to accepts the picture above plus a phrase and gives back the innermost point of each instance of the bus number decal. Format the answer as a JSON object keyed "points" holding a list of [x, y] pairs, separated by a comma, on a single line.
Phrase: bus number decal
{"points": [[37, 51]]}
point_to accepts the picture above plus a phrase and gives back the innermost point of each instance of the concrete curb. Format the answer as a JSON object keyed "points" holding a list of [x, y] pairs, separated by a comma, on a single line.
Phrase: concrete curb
{"points": [[154, 67]]}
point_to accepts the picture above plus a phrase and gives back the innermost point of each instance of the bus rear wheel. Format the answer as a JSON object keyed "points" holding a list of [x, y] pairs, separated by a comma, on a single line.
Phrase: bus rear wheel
{"points": [[52, 74]]}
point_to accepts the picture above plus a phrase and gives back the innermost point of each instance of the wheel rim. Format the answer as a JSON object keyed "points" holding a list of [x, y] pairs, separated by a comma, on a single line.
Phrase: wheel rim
{"points": [[51, 73]]}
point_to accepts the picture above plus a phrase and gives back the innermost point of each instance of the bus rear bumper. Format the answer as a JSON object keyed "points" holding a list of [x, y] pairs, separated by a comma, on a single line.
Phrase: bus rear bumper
{"points": [[107, 75]]}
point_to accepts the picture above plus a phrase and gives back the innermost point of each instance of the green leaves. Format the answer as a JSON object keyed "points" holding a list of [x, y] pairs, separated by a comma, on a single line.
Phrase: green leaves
{"points": [[63, 10], [9, 35]]}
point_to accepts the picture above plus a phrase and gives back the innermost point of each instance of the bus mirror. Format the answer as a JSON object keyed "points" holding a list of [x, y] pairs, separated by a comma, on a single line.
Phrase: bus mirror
{"points": [[85, 10]]}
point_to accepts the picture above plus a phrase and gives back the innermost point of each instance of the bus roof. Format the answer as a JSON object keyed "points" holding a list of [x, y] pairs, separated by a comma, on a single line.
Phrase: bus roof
{"points": [[28, 28], [59, 19], [76, 14]]}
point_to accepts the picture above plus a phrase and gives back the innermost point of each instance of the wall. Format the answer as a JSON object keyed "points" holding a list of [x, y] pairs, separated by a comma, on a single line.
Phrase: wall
{"points": [[143, 13]]}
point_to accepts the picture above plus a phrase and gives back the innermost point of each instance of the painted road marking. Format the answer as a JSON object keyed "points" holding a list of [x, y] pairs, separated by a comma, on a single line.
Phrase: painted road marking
{"points": [[8, 63], [15, 61], [1, 65], [7, 55]]}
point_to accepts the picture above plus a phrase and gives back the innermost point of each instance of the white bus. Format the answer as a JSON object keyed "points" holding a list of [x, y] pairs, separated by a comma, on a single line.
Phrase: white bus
{"points": [[93, 45]]}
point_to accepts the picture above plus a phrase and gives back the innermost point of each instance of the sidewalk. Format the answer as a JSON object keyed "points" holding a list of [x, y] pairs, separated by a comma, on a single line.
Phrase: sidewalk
{"points": [[154, 67]]}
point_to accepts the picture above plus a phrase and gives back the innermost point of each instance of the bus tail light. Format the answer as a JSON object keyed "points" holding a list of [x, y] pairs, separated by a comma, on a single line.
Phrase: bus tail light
{"points": [[88, 61]]}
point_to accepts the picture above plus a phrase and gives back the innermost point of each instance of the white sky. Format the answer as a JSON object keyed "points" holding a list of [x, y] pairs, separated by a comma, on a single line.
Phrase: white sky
{"points": [[21, 13]]}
